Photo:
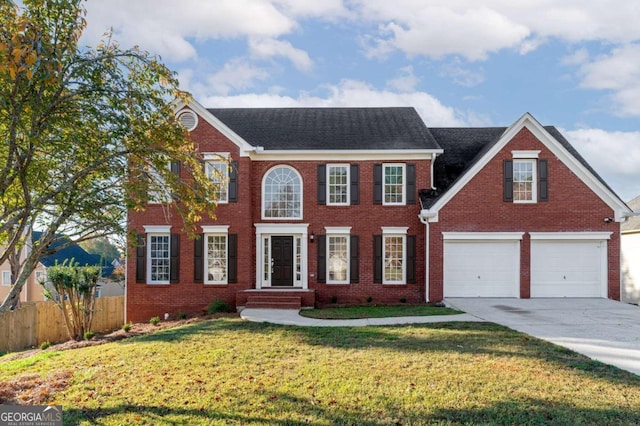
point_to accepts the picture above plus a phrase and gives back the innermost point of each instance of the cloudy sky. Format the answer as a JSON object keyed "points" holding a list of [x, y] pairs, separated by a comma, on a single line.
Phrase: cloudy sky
{"points": [[574, 64]]}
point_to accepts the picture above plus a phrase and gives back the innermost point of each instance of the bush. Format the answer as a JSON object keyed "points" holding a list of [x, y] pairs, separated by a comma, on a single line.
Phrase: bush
{"points": [[88, 335], [334, 299], [218, 306], [154, 320], [44, 345], [126, 327], [403, 300], [369, 299], [182, 315]]}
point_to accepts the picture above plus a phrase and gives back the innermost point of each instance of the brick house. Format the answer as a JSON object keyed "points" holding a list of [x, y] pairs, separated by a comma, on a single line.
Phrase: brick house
{"points": [[357, 205]]}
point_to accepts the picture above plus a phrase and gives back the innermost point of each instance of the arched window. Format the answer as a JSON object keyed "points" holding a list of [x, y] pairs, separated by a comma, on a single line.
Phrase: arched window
{"points": [[282, 194]]}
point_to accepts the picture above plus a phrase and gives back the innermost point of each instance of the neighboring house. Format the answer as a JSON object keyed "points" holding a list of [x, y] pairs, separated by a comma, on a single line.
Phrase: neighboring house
{"points": [[32, 291], [357, 205], [631, 256]]}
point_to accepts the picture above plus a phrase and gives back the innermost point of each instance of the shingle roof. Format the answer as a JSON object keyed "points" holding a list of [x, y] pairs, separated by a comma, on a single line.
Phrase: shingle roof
{"points": [[328, 128], [464, 146], [633, 223], [74, 251]]}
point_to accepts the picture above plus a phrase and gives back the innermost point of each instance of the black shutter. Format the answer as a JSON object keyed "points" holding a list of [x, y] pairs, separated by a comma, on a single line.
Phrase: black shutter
{"points": [[377, 184], [354, 260], [508, 180], [174, 260], [411, 183], [322, 258], [141, 259], [543, 180], [377, 258], [355, 184], [411, 259], [232, 258], [198, 259], [322, 184], [233, 182]]}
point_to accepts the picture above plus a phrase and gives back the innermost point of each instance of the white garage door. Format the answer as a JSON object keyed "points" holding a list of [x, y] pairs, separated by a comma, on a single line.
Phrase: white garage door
{"points": [[480, 268], [568, 268]]}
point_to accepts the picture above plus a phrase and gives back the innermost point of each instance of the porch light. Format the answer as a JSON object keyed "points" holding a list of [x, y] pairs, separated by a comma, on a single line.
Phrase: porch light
{"points": [[312, 237]]}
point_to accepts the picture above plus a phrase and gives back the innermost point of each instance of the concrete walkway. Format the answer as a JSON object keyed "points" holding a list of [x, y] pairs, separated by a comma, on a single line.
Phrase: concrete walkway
{"points": [[292, 317], [602, 329]]}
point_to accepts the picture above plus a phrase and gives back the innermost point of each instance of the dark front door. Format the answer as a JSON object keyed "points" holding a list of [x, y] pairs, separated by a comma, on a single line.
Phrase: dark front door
{"points": [[282, 261]]}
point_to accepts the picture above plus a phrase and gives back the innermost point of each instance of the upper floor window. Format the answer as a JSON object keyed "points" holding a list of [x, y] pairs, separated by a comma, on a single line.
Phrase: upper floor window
{"points": [[525, 178], [217, 170], [393, 189], [282, 194], [338, 184], [6, 278]]}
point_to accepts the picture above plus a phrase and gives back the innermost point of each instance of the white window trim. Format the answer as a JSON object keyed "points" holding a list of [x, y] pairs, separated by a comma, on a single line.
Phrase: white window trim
{"points": [[206, 255], [525, 154], [404, 184], [534, 183], [262, 203], [219, 158], [348, 184], [6, 282], [403, 279], [338, 231], [157, 229], [596, 236], [157, 234]]}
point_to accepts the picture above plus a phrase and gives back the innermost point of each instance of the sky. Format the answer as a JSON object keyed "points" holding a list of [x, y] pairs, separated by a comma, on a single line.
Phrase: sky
{"points": [[574, 64]]}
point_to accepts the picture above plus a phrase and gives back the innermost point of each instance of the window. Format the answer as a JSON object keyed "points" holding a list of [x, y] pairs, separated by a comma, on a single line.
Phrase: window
{"points": [[393, 187], [338, 184], [159, 260], [393, 259], [524, 181], [282, 194], [216, 261], [218, 172], [40, 277], [338, 262], [6, 278]]}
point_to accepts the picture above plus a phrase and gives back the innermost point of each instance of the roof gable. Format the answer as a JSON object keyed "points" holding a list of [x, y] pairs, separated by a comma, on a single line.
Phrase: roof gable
{"points": [[486, 143]]}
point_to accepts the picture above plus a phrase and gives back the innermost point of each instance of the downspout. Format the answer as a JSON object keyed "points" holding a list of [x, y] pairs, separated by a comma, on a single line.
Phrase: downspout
{"points": [[433, 160], [424, 217]]}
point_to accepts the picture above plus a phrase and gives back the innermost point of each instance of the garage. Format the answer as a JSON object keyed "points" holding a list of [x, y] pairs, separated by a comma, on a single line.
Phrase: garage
{"points": [[482, 264], [567, 264]]}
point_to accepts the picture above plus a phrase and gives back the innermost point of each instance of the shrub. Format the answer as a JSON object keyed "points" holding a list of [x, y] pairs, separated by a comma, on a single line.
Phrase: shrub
{"points": [[154, 320], [369, 299], [88, 335], [182, 315], [334, 299], [218, 306], [126, 327], [403, 300], [44, 345]]}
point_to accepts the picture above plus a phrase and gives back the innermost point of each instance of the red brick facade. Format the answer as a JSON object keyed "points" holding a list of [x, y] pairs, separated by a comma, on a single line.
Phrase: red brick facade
{"points": [[479, 206]]}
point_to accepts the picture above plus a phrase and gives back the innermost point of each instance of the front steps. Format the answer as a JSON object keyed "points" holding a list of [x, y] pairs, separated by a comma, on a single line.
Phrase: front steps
{"points": [[275, 299]]}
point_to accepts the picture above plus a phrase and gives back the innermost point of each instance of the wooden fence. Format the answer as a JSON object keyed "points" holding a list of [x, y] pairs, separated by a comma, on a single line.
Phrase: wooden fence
{"points": [[37, 322]]}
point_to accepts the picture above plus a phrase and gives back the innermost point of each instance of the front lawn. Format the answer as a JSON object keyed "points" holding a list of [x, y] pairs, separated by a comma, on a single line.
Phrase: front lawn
{"points": [[355, 312], [229, 371]]}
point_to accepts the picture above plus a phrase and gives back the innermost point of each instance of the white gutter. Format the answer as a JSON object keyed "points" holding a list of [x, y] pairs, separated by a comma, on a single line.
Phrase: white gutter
{"points": [[424, 217]]}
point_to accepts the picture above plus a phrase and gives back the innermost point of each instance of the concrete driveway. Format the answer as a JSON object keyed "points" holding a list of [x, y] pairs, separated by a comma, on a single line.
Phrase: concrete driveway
{"points": [[602, 329]]}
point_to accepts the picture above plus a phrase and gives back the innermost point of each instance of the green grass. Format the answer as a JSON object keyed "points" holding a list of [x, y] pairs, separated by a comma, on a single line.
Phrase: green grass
{"points": [[376, 312], [229, 371]]}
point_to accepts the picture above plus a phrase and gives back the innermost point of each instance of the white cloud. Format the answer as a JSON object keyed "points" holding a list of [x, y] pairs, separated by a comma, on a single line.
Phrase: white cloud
{"points": [[268, 48], [614, 155], [460, 75], [619, 73], [237, 74], [350, 93], [578, 57], [406, 82]]}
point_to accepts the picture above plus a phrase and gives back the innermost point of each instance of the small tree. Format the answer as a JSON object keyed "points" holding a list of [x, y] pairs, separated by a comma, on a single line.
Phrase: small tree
{"points": [[75, 286]]}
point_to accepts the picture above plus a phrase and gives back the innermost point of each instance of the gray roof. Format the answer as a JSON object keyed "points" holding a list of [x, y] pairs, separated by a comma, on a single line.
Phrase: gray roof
{"points": [[328, 128], [633, 223], [464, 146]]}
